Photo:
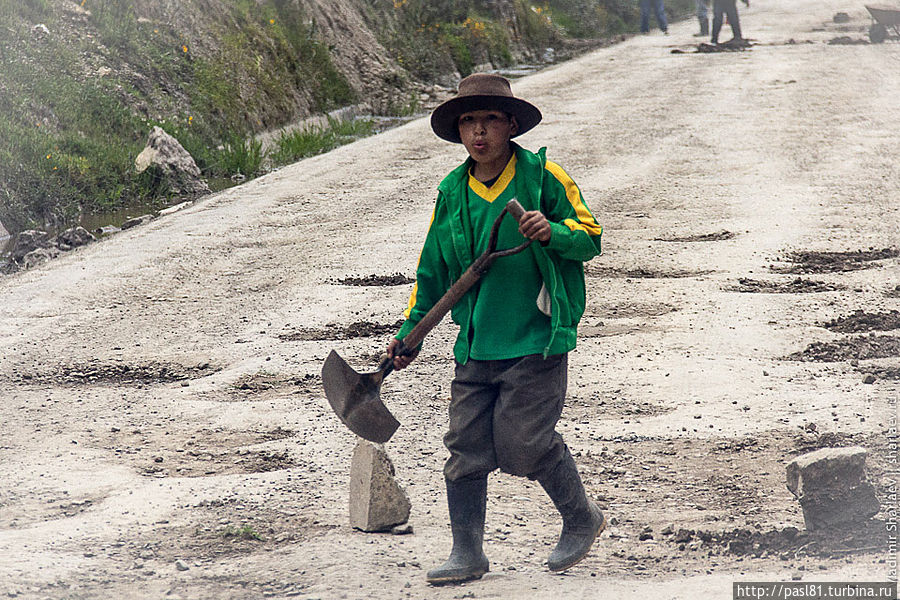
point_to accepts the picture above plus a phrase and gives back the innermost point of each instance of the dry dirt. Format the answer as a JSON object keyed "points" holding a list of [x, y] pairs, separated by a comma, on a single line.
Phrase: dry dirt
{"points": [[165, 432]]}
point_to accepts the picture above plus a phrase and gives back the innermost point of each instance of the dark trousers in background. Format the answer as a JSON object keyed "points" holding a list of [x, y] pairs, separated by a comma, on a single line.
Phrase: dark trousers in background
{"points": [[503, 414], [728, 8], [658, 9]]}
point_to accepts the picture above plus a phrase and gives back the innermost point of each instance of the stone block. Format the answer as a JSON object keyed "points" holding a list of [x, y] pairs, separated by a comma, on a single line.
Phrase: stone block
{"points": [[832, 488], [377, 502]]}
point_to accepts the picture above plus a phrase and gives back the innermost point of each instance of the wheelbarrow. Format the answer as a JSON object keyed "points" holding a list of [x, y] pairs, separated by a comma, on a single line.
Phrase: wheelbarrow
{"points": [[885, 22]]}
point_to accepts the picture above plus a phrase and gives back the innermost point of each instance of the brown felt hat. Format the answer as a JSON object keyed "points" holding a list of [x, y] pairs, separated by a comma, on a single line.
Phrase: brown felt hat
{"points": [[482, 91]]}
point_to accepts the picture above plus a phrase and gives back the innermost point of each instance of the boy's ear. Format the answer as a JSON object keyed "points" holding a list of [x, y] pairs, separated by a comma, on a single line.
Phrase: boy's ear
{"points": [[513, 126]]}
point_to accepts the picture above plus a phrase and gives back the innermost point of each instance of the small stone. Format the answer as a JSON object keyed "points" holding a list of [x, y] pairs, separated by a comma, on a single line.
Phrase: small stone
{"points": [[402, 529], [683, 535], [869, 379], [668, 529], [181, 565]]}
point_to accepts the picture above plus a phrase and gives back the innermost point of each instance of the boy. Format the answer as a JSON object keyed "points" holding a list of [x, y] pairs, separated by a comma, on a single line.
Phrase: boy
{"points": [[516, 326]]}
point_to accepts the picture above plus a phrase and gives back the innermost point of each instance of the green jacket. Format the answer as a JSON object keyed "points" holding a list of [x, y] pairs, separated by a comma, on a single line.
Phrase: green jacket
{"points": [[447, 251]]}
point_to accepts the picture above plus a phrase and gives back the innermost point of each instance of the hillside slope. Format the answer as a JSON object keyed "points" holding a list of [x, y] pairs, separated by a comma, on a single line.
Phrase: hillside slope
{"points": [[82, 82]]}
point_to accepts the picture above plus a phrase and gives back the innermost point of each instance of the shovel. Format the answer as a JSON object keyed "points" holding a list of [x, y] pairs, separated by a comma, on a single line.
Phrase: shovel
{"points": [[356, 397]]}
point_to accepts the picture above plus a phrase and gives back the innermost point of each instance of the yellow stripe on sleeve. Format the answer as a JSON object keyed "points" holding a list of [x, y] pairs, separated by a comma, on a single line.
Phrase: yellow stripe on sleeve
{"points": [[412, 297], [585, 220]]}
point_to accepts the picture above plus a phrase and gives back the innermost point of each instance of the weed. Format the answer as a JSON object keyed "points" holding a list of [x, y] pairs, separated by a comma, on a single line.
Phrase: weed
{"points": [[240, 156], [310, 141], [245, 532]]}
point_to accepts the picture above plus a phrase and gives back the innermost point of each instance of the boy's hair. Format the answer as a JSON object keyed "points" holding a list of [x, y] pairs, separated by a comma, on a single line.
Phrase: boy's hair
{"points": [[482, 91]]}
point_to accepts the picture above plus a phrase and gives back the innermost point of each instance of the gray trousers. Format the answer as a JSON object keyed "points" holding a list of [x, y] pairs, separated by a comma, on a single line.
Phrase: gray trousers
{"points": [[503, 414]]}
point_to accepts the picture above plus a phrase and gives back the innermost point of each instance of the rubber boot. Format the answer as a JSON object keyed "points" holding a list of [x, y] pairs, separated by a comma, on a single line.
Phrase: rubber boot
{"points": [[466, 499], [582, 519]]}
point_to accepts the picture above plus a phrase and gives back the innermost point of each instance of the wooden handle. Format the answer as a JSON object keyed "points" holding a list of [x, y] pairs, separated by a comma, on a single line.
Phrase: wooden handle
{"points": [[456, 291], [515, 209], [443, 306]]}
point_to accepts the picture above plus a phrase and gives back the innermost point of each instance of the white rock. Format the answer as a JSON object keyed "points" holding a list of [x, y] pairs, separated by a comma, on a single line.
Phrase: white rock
{"points": [[377, 502]]}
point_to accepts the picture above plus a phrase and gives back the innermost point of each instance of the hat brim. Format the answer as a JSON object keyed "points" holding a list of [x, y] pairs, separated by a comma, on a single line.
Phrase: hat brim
{"points": [[445, 118]]}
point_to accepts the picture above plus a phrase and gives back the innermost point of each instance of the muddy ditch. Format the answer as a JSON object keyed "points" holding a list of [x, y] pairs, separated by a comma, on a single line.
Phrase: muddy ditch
{"points": [[795, 286], [335, 331], [640, 273], [861, 321], [806, 261], [375, 280], [717, 236], [117, 373], [851, 348]]}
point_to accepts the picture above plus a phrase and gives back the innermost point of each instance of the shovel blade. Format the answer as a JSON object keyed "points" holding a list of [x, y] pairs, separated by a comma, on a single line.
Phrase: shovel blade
{"points": [[356, 400]]}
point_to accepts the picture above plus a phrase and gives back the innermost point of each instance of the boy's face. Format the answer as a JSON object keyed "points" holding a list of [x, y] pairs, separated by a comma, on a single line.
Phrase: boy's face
{"points": [[486, 134]]}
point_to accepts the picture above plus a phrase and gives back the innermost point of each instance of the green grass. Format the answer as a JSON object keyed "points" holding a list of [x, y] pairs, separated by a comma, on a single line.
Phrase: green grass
{"points": [[310, 141], [69, 133], [244, 532], [68, 137]]}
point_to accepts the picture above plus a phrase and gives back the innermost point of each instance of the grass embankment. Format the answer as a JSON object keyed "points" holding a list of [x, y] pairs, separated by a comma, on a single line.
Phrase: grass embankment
{"points": [[78, 97]]}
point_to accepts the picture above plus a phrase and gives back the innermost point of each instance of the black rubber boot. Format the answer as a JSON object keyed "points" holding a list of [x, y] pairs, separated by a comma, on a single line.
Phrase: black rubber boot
{"points": [[466, 500], [582, 519]]}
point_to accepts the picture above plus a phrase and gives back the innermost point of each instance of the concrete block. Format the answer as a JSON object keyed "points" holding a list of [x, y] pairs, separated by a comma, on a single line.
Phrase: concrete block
{"points": [[832, 488], [377, 502]]}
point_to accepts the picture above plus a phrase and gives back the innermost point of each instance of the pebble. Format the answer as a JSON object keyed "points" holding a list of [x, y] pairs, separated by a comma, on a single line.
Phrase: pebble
{"points": [[181, 565]]}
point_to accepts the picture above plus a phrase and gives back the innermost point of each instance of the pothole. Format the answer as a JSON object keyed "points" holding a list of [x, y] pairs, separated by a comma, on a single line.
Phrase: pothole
{"points": [[788, 542], [883, 373], [717, 236], [641, 273], [258, 387], [156, 451], [806, 261], [852, 348], [95, 372], [861, 321], [22, 509], [377, 280], [613, 405], [628, 310], [795, 286], [334, 331], [221, 528]]}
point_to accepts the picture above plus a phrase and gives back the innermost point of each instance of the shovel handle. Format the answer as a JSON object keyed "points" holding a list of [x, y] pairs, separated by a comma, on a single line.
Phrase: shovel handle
{"points": [[515, 210], [453, 295]]}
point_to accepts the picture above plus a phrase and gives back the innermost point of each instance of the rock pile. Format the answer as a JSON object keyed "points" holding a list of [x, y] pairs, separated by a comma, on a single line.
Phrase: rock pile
{"points": [[32, 247]]}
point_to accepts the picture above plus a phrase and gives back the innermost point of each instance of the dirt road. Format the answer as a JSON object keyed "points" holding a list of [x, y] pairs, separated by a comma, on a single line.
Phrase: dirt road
{"points": [[161, 400]]}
